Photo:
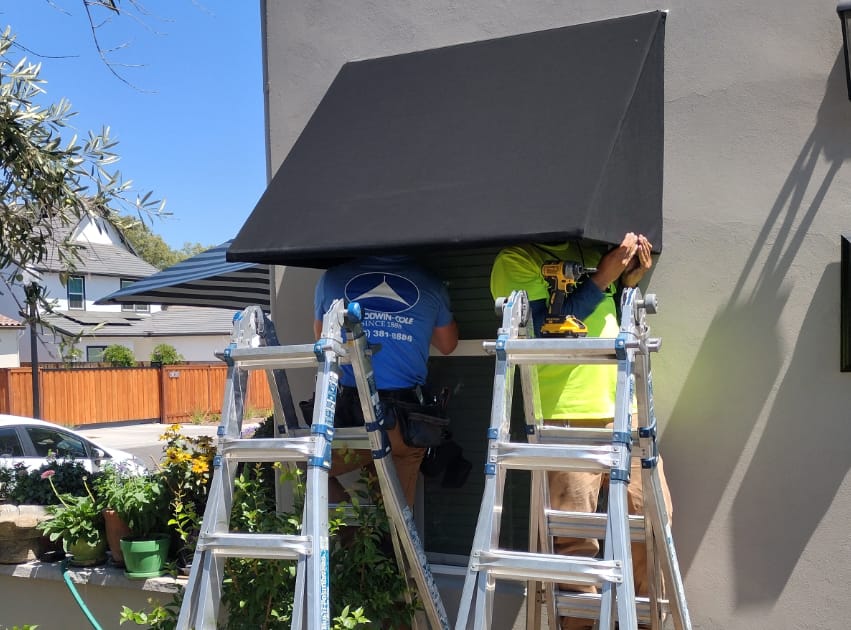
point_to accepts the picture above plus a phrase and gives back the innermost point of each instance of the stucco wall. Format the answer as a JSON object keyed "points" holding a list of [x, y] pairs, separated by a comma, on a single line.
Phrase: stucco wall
{"points": [[753, 408]]}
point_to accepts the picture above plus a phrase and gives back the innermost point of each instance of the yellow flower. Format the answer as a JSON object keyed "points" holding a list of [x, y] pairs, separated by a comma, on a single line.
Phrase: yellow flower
{"points": [[199, 466]]}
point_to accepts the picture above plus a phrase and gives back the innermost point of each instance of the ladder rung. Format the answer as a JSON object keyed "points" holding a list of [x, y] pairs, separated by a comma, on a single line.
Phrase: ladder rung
{"points": [[346, 437], [268, 546], [267, 449], [554, 351], [522, 565], [588, 525], [548, 434], [592, 458], [587, 605], [351, 437], [274, 357], [292, 449]]}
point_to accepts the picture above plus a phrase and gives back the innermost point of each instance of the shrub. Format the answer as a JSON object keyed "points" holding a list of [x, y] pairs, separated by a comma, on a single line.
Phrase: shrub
{"points": [[23, 487], [166, 354], [262, 590], [119, 356]]}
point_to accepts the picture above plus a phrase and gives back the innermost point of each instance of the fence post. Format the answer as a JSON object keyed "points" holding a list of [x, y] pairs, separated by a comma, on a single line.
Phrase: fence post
{"points": [[6, 380], [163, 401]]}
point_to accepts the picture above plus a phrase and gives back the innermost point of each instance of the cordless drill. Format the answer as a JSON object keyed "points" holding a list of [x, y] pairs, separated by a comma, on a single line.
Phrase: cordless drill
{"points": [[562, 278]]}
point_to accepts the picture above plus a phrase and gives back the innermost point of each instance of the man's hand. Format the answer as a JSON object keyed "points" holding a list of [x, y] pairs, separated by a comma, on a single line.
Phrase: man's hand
{"points": [[638, 264], [617, 261]]}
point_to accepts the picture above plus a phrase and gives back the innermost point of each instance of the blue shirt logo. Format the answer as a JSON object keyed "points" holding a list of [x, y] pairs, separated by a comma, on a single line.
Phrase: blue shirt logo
{"points": [[384, 292]]}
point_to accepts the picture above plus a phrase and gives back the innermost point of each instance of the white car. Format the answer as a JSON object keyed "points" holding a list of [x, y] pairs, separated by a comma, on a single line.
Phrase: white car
{"points": [[34, 442]]}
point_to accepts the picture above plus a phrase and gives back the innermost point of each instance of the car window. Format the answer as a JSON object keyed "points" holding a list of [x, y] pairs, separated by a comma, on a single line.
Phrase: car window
{"points": [[10, 445], [49, 442]]}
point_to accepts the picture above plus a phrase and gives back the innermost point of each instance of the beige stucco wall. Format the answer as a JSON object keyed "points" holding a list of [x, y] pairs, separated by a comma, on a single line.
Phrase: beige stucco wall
{"points": [[754, 410], [36, 595]]}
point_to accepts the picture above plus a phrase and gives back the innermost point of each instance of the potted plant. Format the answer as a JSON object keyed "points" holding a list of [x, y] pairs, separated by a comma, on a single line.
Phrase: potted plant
{"points": [[108, 485], [142, 502], [78, 522]]}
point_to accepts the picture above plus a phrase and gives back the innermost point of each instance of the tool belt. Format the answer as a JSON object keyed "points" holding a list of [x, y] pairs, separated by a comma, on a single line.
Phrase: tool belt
{"points": [[421, 416]]}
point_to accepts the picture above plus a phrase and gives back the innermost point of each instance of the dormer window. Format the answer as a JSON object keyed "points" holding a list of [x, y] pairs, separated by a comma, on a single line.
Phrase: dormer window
{"points": [[76, 293]]}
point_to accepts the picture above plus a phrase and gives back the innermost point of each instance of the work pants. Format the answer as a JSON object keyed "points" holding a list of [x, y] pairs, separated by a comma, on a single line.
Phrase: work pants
{"points": [[579, 492], [406, 460]]}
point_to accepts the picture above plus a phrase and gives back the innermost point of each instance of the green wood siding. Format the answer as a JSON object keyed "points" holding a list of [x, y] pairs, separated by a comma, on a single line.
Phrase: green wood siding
{"points": [[450, 514]]}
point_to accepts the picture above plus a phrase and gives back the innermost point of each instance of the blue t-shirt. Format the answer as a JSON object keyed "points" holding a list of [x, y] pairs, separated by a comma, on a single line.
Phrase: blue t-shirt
{"points": [[401, 302]]}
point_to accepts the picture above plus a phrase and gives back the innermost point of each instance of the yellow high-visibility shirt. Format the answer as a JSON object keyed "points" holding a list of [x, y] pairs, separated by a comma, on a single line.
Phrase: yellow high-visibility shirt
{"points": [[566, 391]]}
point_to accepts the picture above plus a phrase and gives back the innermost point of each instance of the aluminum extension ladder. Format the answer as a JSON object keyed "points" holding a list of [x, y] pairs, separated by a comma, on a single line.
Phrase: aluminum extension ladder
{"points": [[311, 610], [592, 450]]}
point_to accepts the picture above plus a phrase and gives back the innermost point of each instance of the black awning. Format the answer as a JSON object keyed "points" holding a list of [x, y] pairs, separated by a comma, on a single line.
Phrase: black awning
{"points": [[541, 136]]}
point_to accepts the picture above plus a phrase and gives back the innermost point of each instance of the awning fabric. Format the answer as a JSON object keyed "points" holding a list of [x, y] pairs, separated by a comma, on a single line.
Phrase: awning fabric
{"points": [[206, 279], [536, 137]]}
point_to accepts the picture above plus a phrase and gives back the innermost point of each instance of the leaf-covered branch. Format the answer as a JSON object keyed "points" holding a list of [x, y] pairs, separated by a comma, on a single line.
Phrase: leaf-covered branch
{"points": [[49, 182]]}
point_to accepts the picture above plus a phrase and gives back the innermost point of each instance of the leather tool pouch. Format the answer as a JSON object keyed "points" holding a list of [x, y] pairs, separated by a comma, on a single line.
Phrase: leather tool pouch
{"points": [[422, 426]]}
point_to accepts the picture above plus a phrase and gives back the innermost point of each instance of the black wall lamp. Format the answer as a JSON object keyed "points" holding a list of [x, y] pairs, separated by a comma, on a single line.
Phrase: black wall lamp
{"points": [[843, 8]]}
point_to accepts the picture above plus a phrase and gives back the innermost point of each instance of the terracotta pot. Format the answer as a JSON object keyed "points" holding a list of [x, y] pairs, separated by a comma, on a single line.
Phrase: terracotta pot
{"points": [[116, 529]]}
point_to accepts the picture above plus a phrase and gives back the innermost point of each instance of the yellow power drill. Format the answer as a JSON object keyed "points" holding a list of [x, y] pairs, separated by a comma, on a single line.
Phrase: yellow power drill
{"points": [[562, 278]]}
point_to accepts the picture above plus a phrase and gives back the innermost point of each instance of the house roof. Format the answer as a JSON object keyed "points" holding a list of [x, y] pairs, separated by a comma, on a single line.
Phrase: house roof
{"points": [[8, 322], [174, 321], [95, 258], [103, 260], [190, 320]]}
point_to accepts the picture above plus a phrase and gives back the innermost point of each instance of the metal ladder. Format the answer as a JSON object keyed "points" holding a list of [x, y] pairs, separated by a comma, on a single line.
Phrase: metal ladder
{"points": [[592, 450], [216, 543]]}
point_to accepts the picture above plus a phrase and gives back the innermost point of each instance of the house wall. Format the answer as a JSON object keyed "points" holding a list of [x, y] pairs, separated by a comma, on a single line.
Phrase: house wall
{"points": [[194, 348], [752, 405], [96, 288], [103, 592], [96, 232], [198, 348], [9, 347]]}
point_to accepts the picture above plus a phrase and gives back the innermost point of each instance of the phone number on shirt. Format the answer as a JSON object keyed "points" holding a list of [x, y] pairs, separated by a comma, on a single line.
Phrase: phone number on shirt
{"points": [[384, 334]]}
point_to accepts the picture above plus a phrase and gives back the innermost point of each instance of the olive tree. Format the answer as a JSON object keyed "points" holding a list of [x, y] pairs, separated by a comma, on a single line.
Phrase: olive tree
{"points": [[48, 182]]}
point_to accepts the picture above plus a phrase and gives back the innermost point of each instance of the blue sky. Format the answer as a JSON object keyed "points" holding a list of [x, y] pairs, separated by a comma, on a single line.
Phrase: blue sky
{"points": [[192, 128]]}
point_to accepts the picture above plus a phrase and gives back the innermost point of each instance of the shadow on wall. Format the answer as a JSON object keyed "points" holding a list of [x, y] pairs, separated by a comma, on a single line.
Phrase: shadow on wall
{"points": [[736, 369], [801, 459]]}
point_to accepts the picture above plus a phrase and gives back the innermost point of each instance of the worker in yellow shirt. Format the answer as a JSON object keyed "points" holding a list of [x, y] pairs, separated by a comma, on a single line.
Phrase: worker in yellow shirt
{"points": [[581, 395]]}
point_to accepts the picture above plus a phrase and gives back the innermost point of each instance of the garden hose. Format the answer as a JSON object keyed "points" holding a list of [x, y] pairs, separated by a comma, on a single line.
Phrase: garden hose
{"points": [[71, 587]]}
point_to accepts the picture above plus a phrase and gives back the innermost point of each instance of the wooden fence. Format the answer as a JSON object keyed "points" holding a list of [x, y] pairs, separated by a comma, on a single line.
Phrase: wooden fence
{"points": [[172, 393]]}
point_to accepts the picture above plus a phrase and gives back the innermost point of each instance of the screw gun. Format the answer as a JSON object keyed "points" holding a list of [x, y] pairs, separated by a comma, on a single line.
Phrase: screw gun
{"points": [[562, 278]]}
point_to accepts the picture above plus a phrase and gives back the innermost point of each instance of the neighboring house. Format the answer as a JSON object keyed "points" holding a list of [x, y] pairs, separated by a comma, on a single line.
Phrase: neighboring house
{"points": [[10, 332], [79, 330]]}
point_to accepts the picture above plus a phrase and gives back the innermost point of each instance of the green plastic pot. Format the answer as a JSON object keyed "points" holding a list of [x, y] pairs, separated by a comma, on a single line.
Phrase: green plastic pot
{"points": [[145, 557], [84, 554]]}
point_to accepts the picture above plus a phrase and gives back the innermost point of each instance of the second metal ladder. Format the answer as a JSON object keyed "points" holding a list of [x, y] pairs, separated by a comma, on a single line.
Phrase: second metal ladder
{"points": [[550, 448]]}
